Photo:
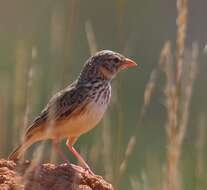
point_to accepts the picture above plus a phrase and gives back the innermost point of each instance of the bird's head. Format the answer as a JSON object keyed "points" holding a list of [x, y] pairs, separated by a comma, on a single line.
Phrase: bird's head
{"points": [[106, 64]]}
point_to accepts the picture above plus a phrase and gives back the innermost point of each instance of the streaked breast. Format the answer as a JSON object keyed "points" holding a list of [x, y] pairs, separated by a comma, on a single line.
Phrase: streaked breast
{"points": [[92, 113]]}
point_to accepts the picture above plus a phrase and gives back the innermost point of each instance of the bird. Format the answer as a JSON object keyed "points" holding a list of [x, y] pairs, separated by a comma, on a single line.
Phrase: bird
{"points": [[78, 108]]}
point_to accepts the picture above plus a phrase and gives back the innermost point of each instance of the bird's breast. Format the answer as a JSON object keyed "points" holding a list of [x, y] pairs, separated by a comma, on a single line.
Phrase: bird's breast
{"points": [[94, 113], [88, 119], [89, 116]]}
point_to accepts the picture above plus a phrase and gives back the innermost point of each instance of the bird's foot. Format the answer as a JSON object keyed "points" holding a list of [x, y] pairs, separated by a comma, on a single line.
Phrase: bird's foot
{"points": [[81, 170], [77, 168], [88, 171]]}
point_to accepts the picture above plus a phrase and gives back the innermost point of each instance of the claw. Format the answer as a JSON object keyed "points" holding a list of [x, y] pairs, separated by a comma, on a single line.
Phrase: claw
{"points": [[89, 171]]}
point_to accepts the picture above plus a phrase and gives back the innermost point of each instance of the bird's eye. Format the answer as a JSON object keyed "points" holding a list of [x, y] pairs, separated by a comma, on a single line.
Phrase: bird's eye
{"points": [[116, 60]]}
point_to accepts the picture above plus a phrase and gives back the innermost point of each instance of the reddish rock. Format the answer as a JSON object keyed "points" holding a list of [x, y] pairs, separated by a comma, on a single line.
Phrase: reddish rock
{"points": [[29, 176]]}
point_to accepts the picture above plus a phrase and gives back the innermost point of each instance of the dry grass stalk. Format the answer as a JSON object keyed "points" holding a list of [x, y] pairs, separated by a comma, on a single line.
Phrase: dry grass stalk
{"points": [[121, 5], [150, 87], [171, 128], [57, 29], [176, 127], [200, 147], [172, 117], [107, 149], [188, 94], [73, 10], [148, 93], [91, 37], [119, 133], [20, 86], [29, 91], [166, 62], [128, 152], [182, 8]]}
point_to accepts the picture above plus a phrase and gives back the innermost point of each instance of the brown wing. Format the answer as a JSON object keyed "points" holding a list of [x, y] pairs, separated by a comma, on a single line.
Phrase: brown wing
{"points": [[62, 105]]}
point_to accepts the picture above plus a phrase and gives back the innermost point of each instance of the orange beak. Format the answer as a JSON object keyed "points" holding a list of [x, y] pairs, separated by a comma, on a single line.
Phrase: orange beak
{"points": [[128, 63]]}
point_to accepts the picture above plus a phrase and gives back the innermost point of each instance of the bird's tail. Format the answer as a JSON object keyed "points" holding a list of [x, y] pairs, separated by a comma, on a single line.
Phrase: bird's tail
{"points": [[33, 134], [18, 152], [15, 155]]}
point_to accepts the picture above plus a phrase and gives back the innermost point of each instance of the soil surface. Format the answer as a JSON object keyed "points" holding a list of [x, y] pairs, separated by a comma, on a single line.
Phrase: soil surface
{"points": [[30, 176]]}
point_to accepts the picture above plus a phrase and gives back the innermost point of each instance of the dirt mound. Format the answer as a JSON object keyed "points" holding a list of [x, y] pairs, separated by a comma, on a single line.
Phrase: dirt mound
{"points": [[28, 176]]}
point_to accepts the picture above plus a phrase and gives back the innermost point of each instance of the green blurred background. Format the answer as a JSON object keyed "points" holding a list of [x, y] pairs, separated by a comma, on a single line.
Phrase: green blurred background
{"points": [[43, 46]]}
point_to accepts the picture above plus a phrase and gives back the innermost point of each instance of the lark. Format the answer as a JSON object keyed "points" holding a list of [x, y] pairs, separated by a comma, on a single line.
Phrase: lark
{"points": [[79, 107]]}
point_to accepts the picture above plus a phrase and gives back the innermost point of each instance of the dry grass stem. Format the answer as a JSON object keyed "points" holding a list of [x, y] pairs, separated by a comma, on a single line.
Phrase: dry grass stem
{"points": [[20, 86], [182, 8], [29, 91], [200, 147], [177, 110], [91, 37], [150, 87], [107, 149], [176, 135], [166, 61], [128, 152], [188, 93], [73, 10]]}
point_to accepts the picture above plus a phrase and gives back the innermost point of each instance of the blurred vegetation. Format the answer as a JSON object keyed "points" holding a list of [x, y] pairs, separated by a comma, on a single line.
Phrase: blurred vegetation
{"points": [[43, 45]]}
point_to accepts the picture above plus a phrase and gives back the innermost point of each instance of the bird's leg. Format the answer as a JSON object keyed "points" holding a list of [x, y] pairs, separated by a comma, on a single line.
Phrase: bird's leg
{"points": [[59, 151], [69, 144]]}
